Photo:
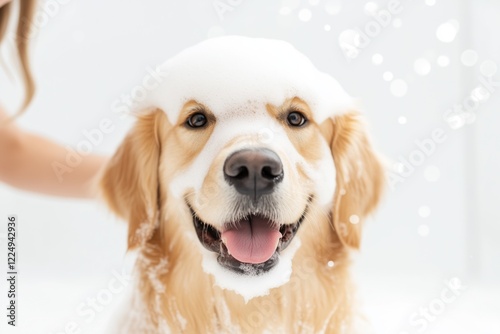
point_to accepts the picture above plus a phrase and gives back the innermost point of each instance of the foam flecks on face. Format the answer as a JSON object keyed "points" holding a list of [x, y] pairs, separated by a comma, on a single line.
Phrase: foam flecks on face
{"points": [[231, 75]]}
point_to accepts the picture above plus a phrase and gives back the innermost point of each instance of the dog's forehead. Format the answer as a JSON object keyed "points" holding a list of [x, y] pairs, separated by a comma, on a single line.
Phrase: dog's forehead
{"points": [[233, 75]]}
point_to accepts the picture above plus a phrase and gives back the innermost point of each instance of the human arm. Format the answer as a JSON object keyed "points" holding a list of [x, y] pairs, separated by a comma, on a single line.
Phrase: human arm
{"points": [[26, 162]]}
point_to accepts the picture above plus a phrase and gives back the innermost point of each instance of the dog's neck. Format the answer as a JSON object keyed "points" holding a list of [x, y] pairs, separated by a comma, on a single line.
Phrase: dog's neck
{"points": [[176, 292]]}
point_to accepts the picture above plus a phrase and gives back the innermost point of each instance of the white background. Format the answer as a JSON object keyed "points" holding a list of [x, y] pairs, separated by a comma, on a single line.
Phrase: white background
{"points": [[89, 53]]}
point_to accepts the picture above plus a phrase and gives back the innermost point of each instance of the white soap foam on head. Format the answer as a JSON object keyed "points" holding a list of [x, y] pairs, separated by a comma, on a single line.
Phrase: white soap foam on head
{"points": [[249, 286], [226, 74]]}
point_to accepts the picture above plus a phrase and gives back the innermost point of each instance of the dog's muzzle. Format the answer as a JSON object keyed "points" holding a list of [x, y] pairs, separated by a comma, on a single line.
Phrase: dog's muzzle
{"points": [[253, 172], [250, 244]]}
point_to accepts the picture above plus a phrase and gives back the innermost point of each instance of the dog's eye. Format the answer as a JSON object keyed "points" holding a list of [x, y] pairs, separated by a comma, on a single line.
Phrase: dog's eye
{"points": [[197, 120], [296, 118]]}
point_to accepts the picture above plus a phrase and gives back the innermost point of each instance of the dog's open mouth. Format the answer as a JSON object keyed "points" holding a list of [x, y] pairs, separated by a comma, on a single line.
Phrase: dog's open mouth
{"points": [[248, 246]]}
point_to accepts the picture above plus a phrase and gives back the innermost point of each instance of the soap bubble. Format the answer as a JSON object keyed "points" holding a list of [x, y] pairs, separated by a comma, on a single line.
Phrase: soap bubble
{"points": [[377, 59], [398, 167], [423, 230], [388, 76], [422, 66], [469, 57], [305, 15], [488, 68], [349, 43], [371, 8], [399, 88], [424, 211], [333, 7], [447, 31], [354, 219]]}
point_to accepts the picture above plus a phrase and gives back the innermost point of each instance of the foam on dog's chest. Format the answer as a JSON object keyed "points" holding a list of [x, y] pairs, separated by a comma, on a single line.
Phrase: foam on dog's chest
{"points": [[234, 74], [252, 286]]}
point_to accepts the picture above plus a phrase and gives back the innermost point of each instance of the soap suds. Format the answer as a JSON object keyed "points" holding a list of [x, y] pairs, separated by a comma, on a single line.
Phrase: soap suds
{"points": [[249, 286], [229, 74]]}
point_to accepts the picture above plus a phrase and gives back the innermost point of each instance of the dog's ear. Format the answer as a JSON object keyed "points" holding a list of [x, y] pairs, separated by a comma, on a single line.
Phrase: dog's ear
{"points": [[130, 183], [360, 175]]}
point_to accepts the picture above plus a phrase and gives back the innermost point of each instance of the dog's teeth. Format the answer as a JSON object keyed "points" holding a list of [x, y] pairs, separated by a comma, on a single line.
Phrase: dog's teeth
{"points": [[224, 242]]}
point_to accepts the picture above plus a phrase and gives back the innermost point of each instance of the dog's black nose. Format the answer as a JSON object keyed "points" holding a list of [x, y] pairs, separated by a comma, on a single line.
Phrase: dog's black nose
{"points": [[253, 172]]}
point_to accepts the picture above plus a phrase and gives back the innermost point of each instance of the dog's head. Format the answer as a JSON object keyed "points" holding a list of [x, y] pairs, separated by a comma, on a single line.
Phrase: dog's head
{"points": [[244, 139]]}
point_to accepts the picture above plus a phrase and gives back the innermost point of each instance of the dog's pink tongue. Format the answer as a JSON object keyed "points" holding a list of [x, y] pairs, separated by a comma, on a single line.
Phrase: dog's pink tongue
{"points": [[252, 242]]}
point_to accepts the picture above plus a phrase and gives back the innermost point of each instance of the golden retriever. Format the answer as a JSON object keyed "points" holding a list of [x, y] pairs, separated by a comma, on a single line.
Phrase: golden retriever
{"points": [[245, 184]]}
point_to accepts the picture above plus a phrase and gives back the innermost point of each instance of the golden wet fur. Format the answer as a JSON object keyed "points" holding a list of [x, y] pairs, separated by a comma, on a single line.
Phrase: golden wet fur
{"points": [[172, 285]]}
